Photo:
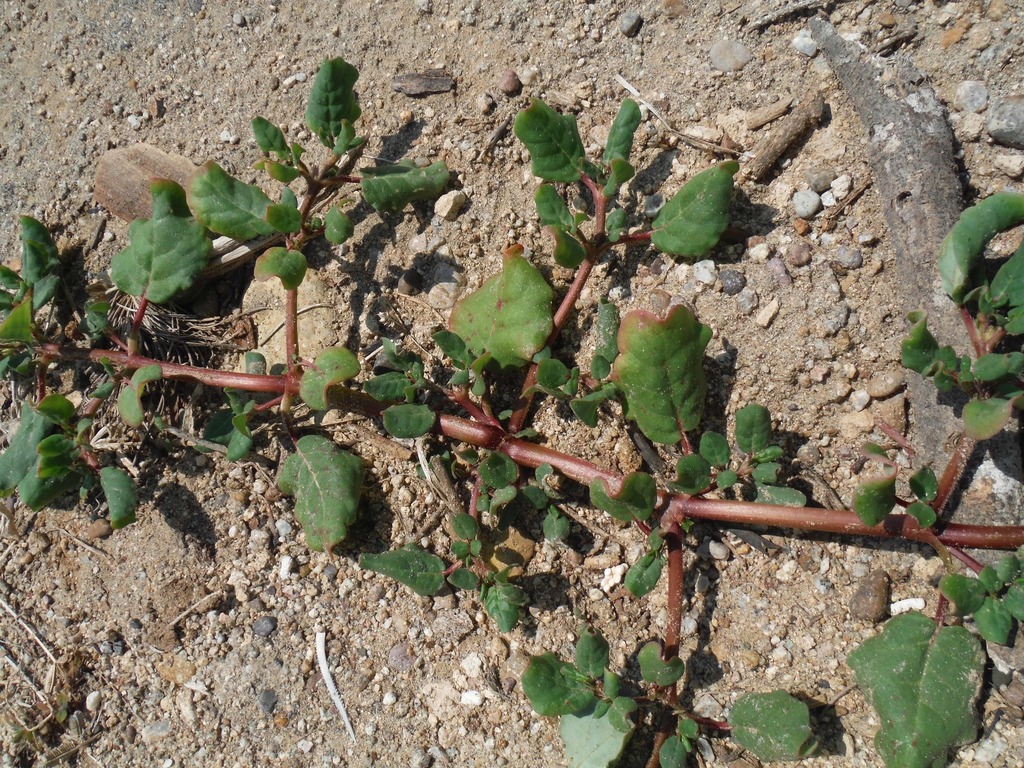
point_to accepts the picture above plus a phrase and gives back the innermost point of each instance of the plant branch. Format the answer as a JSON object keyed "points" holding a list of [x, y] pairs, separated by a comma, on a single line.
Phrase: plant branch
{"points": [[954, 471]]}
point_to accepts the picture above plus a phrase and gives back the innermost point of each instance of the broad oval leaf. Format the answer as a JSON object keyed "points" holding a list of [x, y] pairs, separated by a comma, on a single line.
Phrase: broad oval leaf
{"points": [[20, 456], [690, 224], [332, 366], [408, 420], [923, 682], [508, 316], [693, 474], [994, 621], [392, 187], [326, 483], [774, 726], [554, 687], [552, 210], [283, 263], [636, 497], [502, 602], [657, 670], [966, 594], [337, 227], [595, 739], [269, 137], [122, 498], [874, 499], [753, 428], [1008, 284], [714, 448], [129, 401], [228, 206], [660, 371], [591, 653], [985, 418], [332, 101], [556, 151], [416, 568], [167, 251]]}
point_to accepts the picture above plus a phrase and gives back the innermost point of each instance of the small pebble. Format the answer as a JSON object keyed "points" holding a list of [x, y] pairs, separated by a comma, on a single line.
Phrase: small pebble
{"points": [[510, 85], [238, 20], [828, 198], [264, 626], [732, 281], [154, 732], [767, 314], [805, 44], [410, 283], [746, 300], [808, 455], [859, 400], [484, 103], [834, 318], [806, 203], [530, 75], [718, 550], [1011, 165], [849, 258], [420, 759], [870, 601], [630, 23], [907, 605], [266, 701], [798, 254], [705, 272], [971, 96], [820, 177], [389, 699], [885, 384], [472, 698], [1006, 121], [652, 205], [841, 186], [93, 701], [730, 56], [442, 295], [759, 252], [98, 529], [777, 269], [450, 204], [401, 658]]}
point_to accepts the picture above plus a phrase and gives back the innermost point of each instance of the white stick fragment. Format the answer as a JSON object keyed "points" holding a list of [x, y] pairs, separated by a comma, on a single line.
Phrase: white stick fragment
{"points": [[325, 672]]}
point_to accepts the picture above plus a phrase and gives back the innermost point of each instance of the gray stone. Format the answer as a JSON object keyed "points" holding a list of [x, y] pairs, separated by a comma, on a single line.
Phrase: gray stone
{"points": [[841, 186], [778, 270], [630, 23], [1006, 121], [805, 44], [266, 701], [732, 281], [971, 96], [819, 177], [652, 205], [401, 657], [806, 203], [850, 258], [443, 295], [885, 384], [833, 319], [730, 56], [859, 400], [798, 254], [264, 626], [705, 272], [410, 283], [746, 300], [718, 550]]}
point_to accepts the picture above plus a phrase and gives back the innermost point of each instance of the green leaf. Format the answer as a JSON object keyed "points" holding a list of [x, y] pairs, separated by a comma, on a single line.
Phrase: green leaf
{"points": [[337, 227], [465, 526], [416, 568], [279, 172], [17, 326], [992, 366], [552, 375], [619, 172], [332, 101], [1014, 601], [502, 603], [989, 578], [922, 513], [554, 687], [918, 350], [39, 260], [591, 653], [659, 370], [284, 217], [994, 621], [753, 428], [122, 498], [552, 210], [693, 474], [228, 206], [464, 579], [655, 669], [392, 187], [636, 497], [331, 367], [774, 726], [36, 491], [620, 137], [643, 575], [673, 753], [388, 387], [923, 682], [586, 407], [1008, 284], [167, 251], [20, 456], [726, 478], [509, 316], [569, 252], [986, 418], [593, 739], [498, 470], [326, 483], [966, 594], [269, 137], [57, 409], [614, 223], [690, 224], [962, 247], [1007, 568], [129, 401], [556, 151], [714, 448], [288, 265], [924, 484], [556, 525], [874, 499], [766, 473], [408, 420]]}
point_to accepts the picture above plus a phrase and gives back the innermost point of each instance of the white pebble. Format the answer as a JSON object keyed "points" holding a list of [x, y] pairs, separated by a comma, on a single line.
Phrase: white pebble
{"points": [[389, 699], [472, 698], [286, 566], [804, 43], [93, 700], [859, 400], [283, 528], [613, 576], [906, 605]]}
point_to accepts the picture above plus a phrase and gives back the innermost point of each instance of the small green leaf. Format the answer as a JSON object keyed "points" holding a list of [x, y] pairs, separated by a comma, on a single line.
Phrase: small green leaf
{"points": [[615, 223], [289, 266], [392, 187], [994, 621], [714, 448], [766, 473], [552, 210], [673, 753], [620, 137], [464, 579], [1007, 568], [619, 172], [129, 401], [594, 737], [922, 513], [269, 137], [989, 578], [284, 218], [992, 366], [643, 575], [918, 350], [753, 428], [36, 491], [556, 151], [20, 456], [122, 498], [556, 525], [508, 316], [923, 682], [408, 420], [337, 227], [774, 726], [660, 371], [874, 499], [228, 206], [586, 407], [168, 251], [569, 252], [554, 687], [498, 470], [502, 603], [57, 409], [726, 478], [388, 387], [690, 224], [1008, 284], [591, 653], [39, 260], [279, 172], [552, 374], [332, 101], [331, 367], [986, 418], [693, 474], [326, 483], [1014, 601], [416, 568], [966, 594], [924, 484], [655, 669], [636, 497], [17, 326], [465, 526]]}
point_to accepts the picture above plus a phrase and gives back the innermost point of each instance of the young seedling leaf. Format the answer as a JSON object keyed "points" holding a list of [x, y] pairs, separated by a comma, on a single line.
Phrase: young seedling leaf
{"points": [[37, 491], [1014, 601], [508, 316], [39, 260], [1007, 568], [918, 350], [594, 739], [620, 137], [922, 513], [332, 366], [498, 470], [962, 248], [693, 474], [337, 227], [643, 575], [986, 418], [269, 137], [615, 223], [552, 210], [591, 653], [167, 251], [774, 726], [388, 387], [555, 687], [636, 497], [416, 568], [122, 499], [556, 151], [655, 669], [753, 428], [129, 401], [326, 483], [556, 525], [17, 326], [284, 217], [287, 265], [228, 206], [874, 499], [392, 187], [923, 682], [464, 579], [408, 420], [465, 526], [714, 448], [332, 101], [994, 621], [21, 455], [1008, 284], [502, 603], [568, 253], [673, 753], [924, 484], [660, 371], [690, 224]]}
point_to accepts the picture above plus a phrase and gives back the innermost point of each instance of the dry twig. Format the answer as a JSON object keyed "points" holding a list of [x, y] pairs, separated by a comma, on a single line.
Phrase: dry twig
{"points": [[788, 132]]}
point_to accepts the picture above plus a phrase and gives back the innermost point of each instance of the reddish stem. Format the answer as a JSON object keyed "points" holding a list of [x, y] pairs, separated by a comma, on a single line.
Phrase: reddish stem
{"points": [[674, 544], [133, 333], [954, 471], [639, 237], [980, 348]]}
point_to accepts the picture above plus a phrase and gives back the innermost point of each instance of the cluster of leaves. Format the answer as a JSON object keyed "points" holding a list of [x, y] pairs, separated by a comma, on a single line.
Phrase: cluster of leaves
{"points": [[993, 599]]}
